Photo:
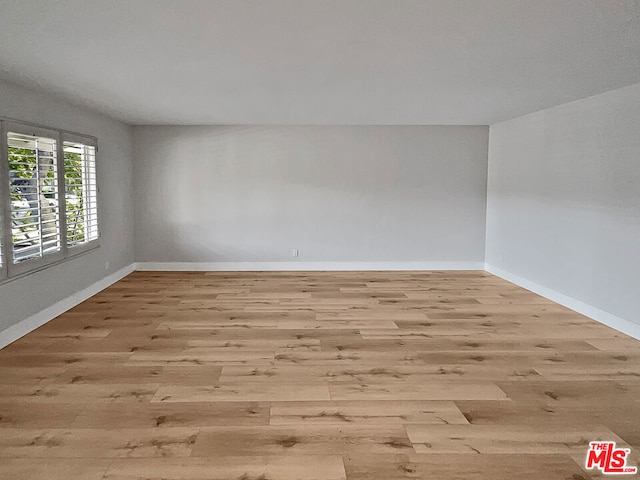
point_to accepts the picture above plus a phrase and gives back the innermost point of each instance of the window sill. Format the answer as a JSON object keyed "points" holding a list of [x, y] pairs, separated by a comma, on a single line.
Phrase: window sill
{"points": [[70, 256]]}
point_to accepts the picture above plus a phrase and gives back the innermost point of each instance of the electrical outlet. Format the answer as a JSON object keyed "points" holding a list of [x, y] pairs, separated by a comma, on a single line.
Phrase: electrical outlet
{"points": [[106, 265], [295, 252]]}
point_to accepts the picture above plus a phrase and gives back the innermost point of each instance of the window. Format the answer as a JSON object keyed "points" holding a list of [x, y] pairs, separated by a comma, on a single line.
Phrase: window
{"points": [[49, 207], [81, 193], [33, 190]]}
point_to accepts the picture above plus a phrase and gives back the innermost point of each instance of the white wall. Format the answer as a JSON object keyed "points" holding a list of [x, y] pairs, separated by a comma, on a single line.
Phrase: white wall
{"points": [[564, 200], [338, 194], [28, 295]]}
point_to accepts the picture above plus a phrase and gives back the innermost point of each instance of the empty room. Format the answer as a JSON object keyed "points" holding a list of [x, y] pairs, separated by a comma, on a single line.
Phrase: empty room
{"points": [[319, 239]]}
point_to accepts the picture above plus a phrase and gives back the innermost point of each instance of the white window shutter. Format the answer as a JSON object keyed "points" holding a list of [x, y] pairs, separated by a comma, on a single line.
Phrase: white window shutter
{"points": [[81, 193], [34, 201]]}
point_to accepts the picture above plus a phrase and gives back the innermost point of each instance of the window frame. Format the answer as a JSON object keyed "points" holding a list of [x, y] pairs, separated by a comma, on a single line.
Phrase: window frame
{"points": [[10, 270]]}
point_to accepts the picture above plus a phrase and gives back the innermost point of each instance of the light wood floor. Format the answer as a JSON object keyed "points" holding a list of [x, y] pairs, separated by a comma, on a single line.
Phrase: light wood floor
{"points": [[315, 376]]}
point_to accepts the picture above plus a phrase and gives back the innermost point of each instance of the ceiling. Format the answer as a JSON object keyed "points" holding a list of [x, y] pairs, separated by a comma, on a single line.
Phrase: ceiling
{"points": [[445, 62]]}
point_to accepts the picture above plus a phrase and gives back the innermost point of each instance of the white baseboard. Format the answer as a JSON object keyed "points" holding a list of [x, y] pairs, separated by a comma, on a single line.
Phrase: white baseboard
{"points": [[620, 324], [29, 324], [303, 266]]}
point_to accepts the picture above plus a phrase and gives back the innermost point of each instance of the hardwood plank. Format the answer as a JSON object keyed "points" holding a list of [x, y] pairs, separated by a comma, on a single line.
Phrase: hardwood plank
{"points": [[17, 375], [365, 412], [462, 467], [306, 439], [165, 415], [378, 373], [34, 415], [194, 356], [407, 390], [507, 439], [301, 467], [97, 443], [243, 392], [53, 469], [78, 393]]}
